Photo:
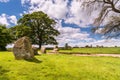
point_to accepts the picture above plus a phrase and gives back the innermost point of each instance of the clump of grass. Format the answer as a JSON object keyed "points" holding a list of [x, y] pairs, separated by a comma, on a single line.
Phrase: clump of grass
{"points": [[59, 67]]}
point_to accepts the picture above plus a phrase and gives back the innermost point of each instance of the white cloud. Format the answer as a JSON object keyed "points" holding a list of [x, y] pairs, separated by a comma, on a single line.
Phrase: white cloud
{"points": [[72, 14], [4, 20], [21, 14], [94, 43], [99, 31], [13, 19], [24, 1], [7, 20], [4, 1], [71, 35], [74, 36], [106, 43], [56, 9], [79, 16]]}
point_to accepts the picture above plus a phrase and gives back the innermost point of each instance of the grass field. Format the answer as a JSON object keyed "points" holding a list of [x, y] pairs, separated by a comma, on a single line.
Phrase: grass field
{"points": [[59, 67], [110, 50]]}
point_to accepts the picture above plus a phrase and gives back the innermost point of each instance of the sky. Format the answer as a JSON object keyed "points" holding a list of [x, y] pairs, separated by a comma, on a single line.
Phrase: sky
{"points": [[72, 22]]}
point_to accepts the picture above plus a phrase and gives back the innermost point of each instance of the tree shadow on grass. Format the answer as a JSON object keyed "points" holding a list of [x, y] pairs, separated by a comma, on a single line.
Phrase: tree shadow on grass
{"points": [[35, 60], [3, 76]]}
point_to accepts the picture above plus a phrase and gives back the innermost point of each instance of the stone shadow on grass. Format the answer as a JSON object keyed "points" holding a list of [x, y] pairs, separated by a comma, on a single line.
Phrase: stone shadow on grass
{"points": [[3, 75], [35, 60]]}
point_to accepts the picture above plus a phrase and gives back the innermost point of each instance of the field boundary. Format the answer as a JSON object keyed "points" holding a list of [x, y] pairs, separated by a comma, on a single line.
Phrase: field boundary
{"points": [[107, 55], [90, 54]]}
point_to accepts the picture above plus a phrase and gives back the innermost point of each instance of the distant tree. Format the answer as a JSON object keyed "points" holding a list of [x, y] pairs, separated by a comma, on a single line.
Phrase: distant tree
{"points": [[87, 46], [91, 46], [5, 37], [40, 28], [97, 46], [67, 46], [105, 7], [76, 46], [102, 46], [115, 46]]}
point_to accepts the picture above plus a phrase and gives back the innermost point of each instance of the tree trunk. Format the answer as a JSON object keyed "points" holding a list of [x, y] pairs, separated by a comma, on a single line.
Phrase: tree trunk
{"points": [[40, 38], [3, 48], [40, 42], [39, 45]]}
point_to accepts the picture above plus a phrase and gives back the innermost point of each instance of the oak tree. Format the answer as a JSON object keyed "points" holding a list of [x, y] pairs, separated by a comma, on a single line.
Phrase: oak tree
{"points": [[41, 28]]}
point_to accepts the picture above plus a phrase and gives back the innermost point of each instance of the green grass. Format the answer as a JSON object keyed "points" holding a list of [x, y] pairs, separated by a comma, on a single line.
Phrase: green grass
{"points": [[59, 67], [110, 50]]}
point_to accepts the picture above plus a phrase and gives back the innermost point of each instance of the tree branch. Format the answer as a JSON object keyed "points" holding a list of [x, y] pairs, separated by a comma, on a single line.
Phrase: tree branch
{"points": [[102, 15], [114, 9]]}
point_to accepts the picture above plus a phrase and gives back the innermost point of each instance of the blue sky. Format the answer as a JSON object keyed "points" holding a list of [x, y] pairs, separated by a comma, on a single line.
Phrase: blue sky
{"points": [[73, 23]]}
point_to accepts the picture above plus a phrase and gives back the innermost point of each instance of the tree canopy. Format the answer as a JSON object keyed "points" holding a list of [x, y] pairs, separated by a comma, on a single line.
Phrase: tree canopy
{"points": [[39, 27], [19, 31], [5, 37], [108, 8]]}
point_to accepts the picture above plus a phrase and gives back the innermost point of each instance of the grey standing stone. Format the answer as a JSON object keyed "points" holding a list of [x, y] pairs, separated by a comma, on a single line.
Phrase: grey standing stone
{"points": [[43, 49], [23, 49], [55, 49], [35, 50]]}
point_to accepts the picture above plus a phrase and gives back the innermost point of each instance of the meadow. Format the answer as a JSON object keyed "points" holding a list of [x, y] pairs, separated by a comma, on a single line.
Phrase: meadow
{"points": [[59, 67], [105, 50]]}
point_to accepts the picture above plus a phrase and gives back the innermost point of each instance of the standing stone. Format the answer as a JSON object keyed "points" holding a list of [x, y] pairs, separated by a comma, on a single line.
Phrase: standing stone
{"points": [[23, 49], [43, 49], [35, 50], [55, 50]]}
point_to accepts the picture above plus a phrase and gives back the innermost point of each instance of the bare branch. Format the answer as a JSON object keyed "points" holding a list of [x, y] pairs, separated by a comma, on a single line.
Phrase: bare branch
{"points": [[102, 15], [114, 9], [106, 6], [113, 26], [116, 2]]}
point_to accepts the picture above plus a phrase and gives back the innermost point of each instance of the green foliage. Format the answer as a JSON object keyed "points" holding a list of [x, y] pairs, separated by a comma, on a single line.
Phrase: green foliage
{"points": [[42, 29], [59, 67], [19, 31], [5, 37]]}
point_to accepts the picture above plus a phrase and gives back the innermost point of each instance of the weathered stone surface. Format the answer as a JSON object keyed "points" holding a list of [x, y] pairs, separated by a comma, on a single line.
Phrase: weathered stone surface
{"points": [[23, 49], [35, 50], [43, 49], [55, 49]]}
